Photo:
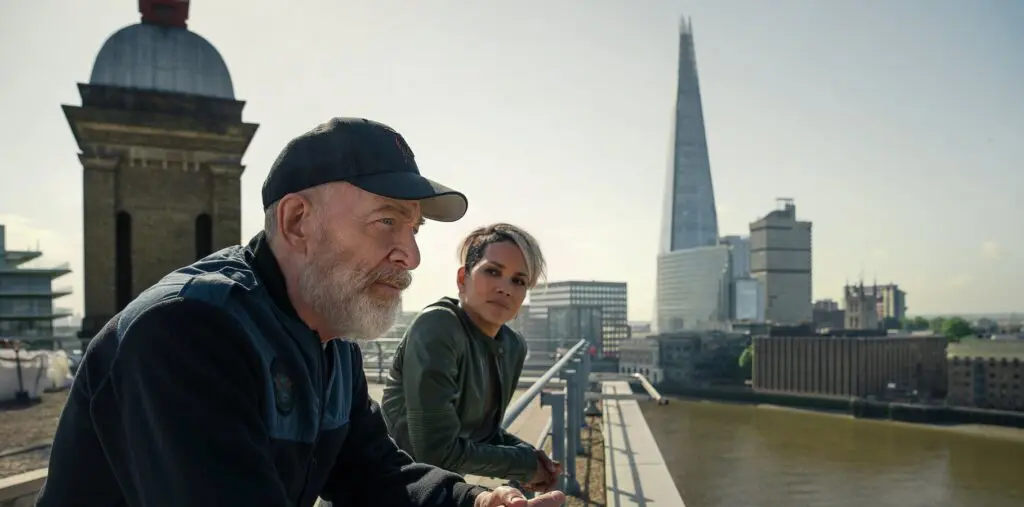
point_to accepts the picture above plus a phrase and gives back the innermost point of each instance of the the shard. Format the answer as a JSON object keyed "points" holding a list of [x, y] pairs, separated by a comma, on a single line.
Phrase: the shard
{"points": [[689, 219]]}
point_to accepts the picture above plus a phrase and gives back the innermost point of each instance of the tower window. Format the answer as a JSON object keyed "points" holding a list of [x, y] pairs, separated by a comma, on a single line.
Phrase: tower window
{"points": [[204, 235], [123, 259]]}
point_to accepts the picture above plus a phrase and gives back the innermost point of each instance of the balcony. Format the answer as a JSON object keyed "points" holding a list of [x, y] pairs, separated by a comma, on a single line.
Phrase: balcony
{"points": [[34, 290], [54, 271], [18, 257], [36, 314]]}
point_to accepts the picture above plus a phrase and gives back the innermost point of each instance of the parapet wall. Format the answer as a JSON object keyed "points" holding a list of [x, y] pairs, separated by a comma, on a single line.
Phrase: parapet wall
{"points": [[21, 490]]}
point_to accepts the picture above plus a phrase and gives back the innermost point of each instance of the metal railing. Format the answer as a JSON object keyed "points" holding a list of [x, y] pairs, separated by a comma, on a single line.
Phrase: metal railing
{"points": [[651, 391], [564, 428], [377, 359]]}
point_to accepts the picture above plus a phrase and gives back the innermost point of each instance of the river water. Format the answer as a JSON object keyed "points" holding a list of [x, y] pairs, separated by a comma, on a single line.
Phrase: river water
{"points": [[728, 455]]}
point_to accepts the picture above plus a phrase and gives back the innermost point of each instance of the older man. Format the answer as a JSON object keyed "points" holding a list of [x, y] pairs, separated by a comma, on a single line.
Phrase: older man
{"points": [[223, 384]]}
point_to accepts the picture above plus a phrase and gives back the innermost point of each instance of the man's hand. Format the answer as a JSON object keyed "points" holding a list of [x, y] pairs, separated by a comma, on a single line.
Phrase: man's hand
{"points": [[505, 496], [547, 474]]}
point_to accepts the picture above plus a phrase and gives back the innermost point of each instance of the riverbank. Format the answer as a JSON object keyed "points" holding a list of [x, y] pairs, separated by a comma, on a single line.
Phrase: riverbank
{"points": [[980, 430], [937, 416]]}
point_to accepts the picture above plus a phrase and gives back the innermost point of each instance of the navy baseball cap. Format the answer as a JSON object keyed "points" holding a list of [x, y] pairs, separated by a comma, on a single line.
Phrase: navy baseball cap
{"points": [[364, 153]]}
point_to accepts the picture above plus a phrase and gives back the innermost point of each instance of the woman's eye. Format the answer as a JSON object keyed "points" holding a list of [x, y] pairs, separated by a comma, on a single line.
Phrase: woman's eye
{"points": [[519, 281], [387, 221]]}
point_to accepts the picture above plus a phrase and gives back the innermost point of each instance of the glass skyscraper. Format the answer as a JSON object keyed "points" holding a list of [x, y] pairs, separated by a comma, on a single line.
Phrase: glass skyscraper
{"points": [[689, 219]]}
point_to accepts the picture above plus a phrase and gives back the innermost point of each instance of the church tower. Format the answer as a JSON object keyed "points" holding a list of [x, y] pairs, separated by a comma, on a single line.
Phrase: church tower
{"points": [[161, 140]]}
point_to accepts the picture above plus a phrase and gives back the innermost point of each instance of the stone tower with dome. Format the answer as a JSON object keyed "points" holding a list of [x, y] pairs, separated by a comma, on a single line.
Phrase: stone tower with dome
{"points": [[161, 139]]}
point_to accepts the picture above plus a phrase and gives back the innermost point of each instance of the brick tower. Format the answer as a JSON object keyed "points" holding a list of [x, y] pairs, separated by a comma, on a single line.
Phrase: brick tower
{"points": [[161, 140]]}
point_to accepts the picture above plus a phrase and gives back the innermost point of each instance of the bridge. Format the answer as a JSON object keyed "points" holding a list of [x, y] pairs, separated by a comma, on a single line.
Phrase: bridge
{"points": [[590, 422]]}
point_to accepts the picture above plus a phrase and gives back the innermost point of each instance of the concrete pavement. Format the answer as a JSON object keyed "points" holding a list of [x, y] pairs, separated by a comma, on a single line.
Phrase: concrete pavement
{"points": [[634, 471]]}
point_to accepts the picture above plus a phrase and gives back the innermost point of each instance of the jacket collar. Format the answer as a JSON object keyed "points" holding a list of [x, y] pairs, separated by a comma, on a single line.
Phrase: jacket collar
{"points": [[268, 271]]}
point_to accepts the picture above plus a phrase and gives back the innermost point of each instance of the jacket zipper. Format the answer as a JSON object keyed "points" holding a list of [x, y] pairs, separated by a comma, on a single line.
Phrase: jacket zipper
{"points": [[322, 374], [500, 384]]}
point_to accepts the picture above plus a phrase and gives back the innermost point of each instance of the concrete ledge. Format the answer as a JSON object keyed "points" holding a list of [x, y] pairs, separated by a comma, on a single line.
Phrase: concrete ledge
{"points": [[21, 490], [635, 472]]}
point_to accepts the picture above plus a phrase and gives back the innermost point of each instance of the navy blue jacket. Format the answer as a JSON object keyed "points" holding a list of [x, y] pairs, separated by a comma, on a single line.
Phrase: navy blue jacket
{"points": [[208, 390]]}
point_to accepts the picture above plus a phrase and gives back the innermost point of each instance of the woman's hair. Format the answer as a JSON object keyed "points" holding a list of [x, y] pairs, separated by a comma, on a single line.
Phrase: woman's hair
{"points": [[472, 250]]}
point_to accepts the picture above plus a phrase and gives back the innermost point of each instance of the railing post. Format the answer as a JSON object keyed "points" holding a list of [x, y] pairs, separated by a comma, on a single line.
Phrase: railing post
{"points": [[556, 400], [572, 428], [576, 402], [591, 403]]}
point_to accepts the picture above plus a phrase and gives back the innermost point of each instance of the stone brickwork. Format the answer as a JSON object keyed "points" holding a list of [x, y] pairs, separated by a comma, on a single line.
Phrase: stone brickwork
{"points": [[164, 159]]}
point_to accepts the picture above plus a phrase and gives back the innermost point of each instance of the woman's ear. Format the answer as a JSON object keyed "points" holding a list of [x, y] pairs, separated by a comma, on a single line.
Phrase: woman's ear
{"points": [[460, 279]]}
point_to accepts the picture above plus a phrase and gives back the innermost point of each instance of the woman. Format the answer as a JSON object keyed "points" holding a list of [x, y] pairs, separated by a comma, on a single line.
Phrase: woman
{"points": [[458, 365]]}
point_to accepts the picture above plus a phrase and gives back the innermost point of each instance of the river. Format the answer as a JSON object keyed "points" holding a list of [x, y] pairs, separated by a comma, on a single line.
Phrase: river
{"points": [[730, 455]]}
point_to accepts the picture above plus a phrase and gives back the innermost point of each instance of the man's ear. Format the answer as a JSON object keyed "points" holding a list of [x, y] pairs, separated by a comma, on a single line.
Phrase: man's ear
{"points": [[295, 222]]}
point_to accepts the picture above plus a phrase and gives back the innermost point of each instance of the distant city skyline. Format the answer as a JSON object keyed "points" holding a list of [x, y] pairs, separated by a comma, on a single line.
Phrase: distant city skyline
{"points": [[908, 167]]}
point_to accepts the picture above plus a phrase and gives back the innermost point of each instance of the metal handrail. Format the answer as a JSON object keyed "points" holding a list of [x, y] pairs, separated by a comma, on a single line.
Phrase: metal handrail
{"points": [[563, 429], [524, 401]]}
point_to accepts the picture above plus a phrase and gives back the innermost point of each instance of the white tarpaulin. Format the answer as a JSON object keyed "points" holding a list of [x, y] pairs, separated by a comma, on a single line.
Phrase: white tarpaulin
{"points": [[40, 370]]}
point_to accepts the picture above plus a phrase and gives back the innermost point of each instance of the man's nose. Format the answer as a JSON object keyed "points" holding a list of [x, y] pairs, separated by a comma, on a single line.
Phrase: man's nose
{"points": [[406, 253]]}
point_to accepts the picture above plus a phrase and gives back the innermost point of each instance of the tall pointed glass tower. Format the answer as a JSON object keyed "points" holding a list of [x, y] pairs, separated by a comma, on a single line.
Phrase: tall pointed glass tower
{"points": [[689, 219]]}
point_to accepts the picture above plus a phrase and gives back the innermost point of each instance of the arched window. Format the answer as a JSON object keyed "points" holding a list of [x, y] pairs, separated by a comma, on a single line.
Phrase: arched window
{"points": [[123, 259], [204, 235]]}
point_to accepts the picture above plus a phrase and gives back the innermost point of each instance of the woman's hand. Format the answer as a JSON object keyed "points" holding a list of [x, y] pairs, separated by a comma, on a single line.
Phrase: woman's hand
{"points": [[546, 476], [505, 496]]}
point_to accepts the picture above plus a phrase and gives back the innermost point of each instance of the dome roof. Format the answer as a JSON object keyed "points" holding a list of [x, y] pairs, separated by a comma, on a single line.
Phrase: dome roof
{"points": [[168, 59]]}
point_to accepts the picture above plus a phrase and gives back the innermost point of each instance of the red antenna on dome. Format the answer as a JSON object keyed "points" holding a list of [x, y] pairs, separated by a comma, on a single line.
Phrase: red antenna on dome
{"points": [[170, 13]]}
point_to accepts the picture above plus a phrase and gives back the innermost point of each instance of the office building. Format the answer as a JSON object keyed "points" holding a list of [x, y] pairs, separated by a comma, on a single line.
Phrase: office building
{"points": [[642, 356], [689, 358], [828, 315], [740, 253], [27, 295], [161, 139], [573, 310], [693, 289], [689, 218], [746, 297], [747, 301], [689, 221], [534, 329], [850, 364], [780, 259], [987, 374]]}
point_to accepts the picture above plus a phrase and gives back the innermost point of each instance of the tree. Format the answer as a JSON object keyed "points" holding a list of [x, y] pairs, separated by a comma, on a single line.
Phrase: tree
{"points": [[746, 362], [956, 328], [921, 323], [915, 324]]}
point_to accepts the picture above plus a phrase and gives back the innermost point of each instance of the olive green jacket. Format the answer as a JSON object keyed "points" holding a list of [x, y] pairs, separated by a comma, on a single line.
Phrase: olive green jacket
{"points": [[436, 394]]}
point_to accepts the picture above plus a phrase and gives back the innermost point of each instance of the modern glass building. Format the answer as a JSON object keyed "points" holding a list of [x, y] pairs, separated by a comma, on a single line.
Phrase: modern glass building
{"points": [[694, 289], [582, 309], [26, 295], [689, 218]]}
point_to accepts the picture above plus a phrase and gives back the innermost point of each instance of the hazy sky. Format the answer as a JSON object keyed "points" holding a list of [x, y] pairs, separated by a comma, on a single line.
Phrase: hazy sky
{"points": [[896, 126]]}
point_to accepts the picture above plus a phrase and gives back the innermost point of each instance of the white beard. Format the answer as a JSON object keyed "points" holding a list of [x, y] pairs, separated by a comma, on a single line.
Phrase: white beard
{"points": [[337, 289]]}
